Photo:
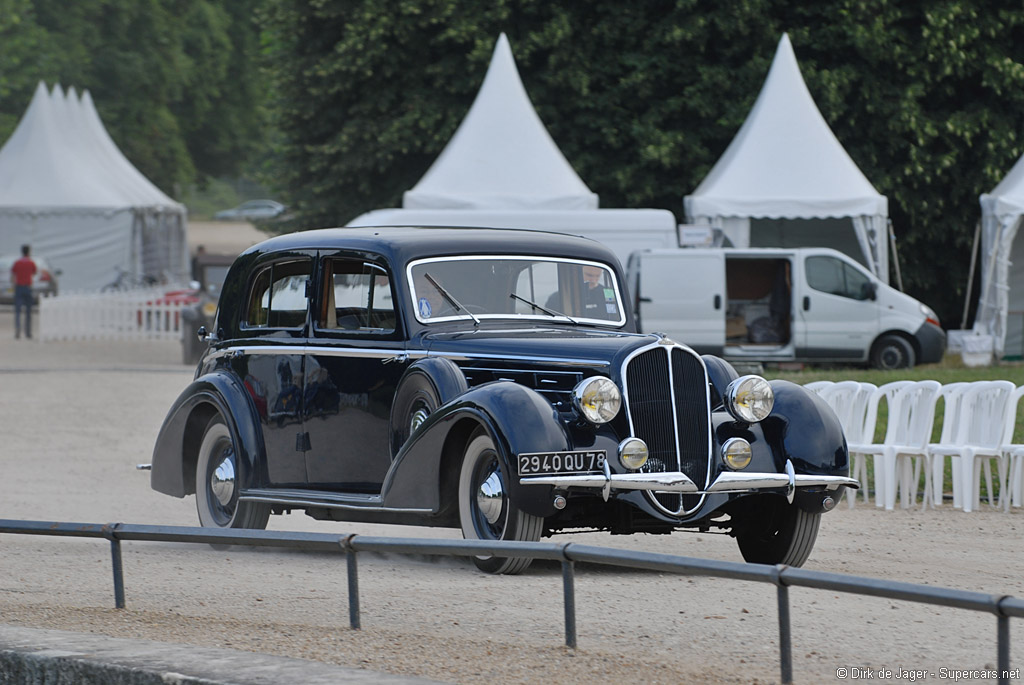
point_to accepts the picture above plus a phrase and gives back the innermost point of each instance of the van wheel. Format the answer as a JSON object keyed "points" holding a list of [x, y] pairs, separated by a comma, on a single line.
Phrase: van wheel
{"points": [[892, 352]]}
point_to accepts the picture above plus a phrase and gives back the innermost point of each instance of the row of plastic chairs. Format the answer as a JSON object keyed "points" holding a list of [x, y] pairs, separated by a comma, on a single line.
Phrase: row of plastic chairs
{"points": [[977, 429]]}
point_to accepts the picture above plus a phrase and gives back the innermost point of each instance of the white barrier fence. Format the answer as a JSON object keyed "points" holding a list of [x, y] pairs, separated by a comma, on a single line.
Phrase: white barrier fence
{"points": [[145, 313]]}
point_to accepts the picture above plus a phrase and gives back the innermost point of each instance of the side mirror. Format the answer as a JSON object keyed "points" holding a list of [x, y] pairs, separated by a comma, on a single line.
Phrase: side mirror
{"points": [[869, 291], [202, 334]]}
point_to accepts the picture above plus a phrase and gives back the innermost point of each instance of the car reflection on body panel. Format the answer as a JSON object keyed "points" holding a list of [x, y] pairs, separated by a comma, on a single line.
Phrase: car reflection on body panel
{"points": [[489, 380]]}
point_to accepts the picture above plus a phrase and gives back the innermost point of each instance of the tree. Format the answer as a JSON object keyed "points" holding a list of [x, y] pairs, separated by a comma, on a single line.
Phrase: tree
{"points": [[173, 80]]}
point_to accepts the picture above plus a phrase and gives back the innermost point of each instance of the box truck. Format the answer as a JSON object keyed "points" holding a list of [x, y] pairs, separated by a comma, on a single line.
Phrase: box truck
{"points": [[806, 304]]}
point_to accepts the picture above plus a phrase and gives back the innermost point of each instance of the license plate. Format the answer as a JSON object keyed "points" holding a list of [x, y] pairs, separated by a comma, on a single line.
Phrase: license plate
{"points": [[582, 461]]}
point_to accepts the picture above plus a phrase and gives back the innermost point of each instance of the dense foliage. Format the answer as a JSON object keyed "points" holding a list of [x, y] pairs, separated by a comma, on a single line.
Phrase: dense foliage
{"points": [[175, 81], [642, 98]]}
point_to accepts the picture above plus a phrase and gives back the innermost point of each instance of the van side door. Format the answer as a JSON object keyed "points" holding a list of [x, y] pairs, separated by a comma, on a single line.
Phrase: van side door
{"points": [[681, 293], [838, 309]]}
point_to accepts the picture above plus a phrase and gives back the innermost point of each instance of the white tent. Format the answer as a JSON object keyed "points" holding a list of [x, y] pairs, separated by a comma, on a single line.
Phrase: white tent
{"points": [[501, 169], [786, 181], [501, 156], [1001, 303], [67, 190]]}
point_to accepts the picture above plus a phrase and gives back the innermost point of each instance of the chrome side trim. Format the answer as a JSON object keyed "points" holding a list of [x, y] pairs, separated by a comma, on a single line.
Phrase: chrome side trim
{"points": [[368, 352], [329, 500]]}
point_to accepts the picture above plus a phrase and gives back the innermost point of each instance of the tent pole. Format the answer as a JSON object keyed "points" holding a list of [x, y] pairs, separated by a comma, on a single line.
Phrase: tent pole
{"points": [[970, 274], [895, 255]]}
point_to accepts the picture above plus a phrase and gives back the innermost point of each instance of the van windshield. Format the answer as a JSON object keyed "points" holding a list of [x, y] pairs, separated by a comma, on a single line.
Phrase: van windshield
{"points": [[514, 287]]}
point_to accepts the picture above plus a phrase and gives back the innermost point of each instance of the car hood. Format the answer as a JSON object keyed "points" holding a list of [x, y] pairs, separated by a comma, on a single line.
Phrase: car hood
{"points": [[557, 345]]}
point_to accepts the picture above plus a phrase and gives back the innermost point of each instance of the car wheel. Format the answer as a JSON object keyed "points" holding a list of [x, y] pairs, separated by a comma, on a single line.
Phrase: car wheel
{"points": [[420, 392], [485, 510], [217, 483], [778, 533], [892, 352]]}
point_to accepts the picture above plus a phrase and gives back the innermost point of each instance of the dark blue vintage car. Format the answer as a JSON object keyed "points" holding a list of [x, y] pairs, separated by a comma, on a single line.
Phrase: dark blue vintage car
{"points": [[489, 380]]}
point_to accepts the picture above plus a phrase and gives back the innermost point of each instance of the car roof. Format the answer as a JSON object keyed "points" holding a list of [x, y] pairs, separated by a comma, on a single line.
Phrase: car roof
{"points": [[405, 243]]}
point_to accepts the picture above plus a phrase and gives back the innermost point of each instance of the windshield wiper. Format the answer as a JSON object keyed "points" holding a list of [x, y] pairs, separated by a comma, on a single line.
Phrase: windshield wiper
{"points": [[549, 312], [448, 296]]}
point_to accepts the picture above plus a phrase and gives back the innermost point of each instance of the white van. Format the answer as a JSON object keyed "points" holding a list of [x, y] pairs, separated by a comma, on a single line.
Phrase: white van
{"points": [[809, 304]]}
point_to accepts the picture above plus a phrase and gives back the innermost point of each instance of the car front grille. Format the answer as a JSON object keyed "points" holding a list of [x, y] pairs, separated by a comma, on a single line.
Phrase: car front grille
{"points": [[667, 406]]}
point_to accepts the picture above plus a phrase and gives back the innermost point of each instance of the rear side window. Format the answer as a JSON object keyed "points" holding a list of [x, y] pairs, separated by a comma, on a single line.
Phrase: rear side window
{"points": [[830, 275], [357, 297], [278, 297]]}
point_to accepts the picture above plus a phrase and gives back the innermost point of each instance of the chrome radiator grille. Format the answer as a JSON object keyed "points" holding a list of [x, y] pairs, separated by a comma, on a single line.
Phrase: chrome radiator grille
{"points": [[667, 405]]}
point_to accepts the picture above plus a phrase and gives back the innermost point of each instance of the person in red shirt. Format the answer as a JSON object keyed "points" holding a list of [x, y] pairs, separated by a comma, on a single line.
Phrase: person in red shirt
{"points": [[22, 272]]}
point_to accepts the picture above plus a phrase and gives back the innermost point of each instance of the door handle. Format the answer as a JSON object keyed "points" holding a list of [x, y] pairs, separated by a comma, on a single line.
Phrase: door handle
{"points": [[807, 303], [718, 302], [401, 357]]}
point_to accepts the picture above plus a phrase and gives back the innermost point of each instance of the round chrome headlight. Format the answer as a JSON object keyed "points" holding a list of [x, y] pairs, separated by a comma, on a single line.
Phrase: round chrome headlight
{"points": [[737, 453], [597, 399], [633, 453], [749, 398]]}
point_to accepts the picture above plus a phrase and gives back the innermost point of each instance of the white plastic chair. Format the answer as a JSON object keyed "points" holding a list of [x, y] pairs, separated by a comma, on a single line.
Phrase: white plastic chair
{"points": [[979, 436], [950, 394], [1014, 452], [860, 430], [817, 386], [867, 448]]}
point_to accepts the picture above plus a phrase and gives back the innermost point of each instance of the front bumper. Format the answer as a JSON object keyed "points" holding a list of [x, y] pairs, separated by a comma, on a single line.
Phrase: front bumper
{"points": [[674, 481]]}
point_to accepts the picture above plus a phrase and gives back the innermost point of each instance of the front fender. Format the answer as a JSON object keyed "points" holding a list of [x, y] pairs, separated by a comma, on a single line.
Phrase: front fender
{"points": [[174, 454], [517, 418], [804, 429]]}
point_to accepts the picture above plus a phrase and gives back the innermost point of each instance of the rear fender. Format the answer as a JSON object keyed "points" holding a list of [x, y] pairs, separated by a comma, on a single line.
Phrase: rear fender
{"points": [[177, 444], [516, 417]]}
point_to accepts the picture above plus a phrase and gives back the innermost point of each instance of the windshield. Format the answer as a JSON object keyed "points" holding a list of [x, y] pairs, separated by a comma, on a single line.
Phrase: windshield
{"points": [[502, 287]]}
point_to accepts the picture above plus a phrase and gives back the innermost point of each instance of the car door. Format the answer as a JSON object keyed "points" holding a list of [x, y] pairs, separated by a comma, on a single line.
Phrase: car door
{"points": [[839, 318], [268, 356], [354, 361], [682, 293]]}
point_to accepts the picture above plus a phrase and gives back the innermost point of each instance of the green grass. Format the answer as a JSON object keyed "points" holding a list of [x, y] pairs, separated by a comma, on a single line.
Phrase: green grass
{"points": [[950, 370]]}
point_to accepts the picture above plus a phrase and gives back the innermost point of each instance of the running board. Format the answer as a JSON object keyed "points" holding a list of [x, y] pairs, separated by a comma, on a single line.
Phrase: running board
{"points": [[317, 498]]}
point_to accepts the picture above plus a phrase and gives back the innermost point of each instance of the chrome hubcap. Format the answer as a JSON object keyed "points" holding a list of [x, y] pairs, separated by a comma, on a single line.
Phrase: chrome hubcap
{"points": [[490, 496], [222, 481], [418, 417]]}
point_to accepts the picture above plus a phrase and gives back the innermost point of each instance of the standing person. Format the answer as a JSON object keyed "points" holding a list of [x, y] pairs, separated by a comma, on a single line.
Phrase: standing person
{"points": [[22, 272]]}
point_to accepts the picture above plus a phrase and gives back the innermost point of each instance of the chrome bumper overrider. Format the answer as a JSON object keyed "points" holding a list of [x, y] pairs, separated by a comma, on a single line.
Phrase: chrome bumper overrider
{"points": [[730, 481]]}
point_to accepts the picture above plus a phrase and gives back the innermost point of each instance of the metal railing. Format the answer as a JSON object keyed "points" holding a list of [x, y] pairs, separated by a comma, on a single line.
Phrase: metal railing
{"points": [[1003, 607]]}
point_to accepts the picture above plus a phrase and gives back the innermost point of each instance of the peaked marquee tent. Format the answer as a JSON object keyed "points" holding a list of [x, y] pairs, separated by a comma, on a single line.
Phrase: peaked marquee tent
{"points": [[1001, 303], [501, 156], [69, 192], [501, 169], [786, 181]]}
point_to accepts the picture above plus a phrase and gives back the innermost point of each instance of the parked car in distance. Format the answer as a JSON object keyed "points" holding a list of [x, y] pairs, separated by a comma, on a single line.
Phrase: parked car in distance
{"points": [[253, 210], [44, 283], [489, 380], [208, 272]]}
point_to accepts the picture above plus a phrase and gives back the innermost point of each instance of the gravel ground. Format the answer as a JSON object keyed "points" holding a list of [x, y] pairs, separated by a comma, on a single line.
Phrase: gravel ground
{"points": [[75, 418]]}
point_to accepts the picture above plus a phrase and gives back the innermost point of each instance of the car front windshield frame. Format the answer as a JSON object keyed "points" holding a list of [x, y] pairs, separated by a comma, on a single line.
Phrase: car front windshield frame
{"points": [[478, 288]]}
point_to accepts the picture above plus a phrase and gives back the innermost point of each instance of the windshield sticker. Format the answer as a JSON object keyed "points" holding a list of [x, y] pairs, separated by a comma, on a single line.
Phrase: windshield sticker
{"points": [[425, 309]]}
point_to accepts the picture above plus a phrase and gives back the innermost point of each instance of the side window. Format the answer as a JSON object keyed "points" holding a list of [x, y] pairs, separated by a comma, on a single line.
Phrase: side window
{"points": [[835, 277], [278, 297], [357, 297]]}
